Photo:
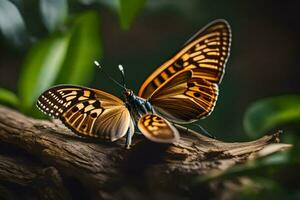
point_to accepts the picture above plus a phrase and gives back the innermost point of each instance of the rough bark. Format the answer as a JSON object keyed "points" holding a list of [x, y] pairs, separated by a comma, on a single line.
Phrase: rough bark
{"points": [[44, 160]]}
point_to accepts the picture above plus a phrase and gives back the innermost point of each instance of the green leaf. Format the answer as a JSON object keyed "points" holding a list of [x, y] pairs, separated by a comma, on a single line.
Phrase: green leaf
{"points": [[84, 48], [54, 13], [270, 113], [11, 24], [40, 69], [8, 98], [62, 58], [128, 10]]}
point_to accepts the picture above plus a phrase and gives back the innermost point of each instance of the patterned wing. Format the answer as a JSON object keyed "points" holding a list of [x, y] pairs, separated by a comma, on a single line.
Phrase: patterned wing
{"points": [[206, 53], [185, 98], [87, 112], [157, 129]]}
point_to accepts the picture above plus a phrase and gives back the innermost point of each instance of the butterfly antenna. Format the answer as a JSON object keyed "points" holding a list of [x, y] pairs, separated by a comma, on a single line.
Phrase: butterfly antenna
{"points": [[108, 76], [121, 68], [205, 132]]}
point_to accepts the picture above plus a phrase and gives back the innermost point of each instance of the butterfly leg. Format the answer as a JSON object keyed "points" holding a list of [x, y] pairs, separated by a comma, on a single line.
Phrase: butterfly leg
{"points": [[128, 139], [129, 134], [204, 131]]}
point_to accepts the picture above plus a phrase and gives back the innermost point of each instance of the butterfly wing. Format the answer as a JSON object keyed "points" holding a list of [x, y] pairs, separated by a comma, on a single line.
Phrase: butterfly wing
{"points": [[206, 53], [87, 112], [185, 98], [157, 129]]}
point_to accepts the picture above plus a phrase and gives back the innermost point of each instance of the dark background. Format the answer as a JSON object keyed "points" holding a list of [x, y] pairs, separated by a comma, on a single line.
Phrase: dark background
{"points": [[264, 58]]}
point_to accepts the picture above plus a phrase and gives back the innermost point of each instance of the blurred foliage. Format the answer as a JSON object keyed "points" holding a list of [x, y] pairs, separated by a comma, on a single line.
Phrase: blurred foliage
{"points": [[12, 24], [267, 114], [128, 10], [9, 98], [275, 176], [65, 52], [54, 13]]}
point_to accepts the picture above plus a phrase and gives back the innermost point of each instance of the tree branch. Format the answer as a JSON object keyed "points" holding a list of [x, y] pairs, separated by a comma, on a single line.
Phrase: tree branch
{"points": [[107, 170]]}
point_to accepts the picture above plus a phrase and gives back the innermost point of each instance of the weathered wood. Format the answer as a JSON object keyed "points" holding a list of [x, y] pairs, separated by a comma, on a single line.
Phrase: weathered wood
{"points": [[106, 170], [31, 180]]}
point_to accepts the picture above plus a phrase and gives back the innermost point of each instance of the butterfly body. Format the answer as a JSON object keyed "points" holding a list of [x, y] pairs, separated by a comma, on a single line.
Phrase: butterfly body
{"points": [[182, 90], [137, 106]]}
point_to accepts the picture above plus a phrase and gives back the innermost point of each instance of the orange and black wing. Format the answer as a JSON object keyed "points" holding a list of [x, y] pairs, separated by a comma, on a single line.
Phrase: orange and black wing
{"points": [[206, 53], [157, 129], [185, 98], [87, 112]]}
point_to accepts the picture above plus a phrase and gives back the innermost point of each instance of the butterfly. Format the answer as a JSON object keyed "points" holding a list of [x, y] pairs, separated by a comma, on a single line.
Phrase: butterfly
{"points": [[182, 90]]}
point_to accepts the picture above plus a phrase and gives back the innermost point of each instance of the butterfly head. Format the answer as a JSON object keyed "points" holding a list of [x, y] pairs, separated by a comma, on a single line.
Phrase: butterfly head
{"points": [[129, 96], [128, 93]]}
